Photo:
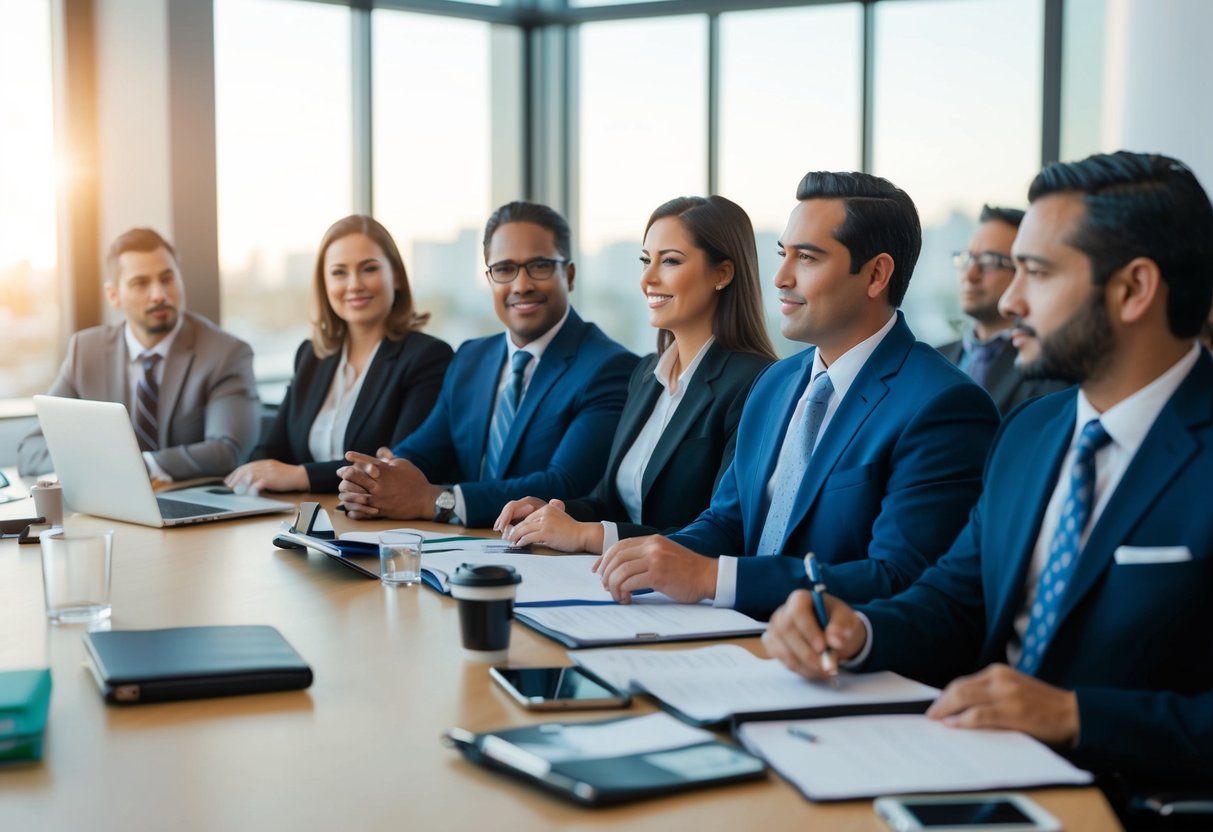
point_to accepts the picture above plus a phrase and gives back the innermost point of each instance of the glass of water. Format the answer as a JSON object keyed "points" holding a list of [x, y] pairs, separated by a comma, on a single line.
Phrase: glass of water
{"points": [[400, 558], [76, 576]]}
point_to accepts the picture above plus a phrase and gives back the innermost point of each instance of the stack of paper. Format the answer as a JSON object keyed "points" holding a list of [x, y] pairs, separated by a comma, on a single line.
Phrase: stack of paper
{"points": [[713, 684], [853, 757]]}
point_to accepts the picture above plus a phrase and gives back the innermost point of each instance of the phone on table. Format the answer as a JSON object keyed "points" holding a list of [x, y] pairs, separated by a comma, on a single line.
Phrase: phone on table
{"points": [[1005, 812], [557, 688]]}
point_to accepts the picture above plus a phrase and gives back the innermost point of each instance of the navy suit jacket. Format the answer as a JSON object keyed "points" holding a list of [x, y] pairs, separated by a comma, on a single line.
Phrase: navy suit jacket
{"points": [[889, 485], [558, 443], [1005, 384], [400, 389], [1134, 640], [693, 452]]}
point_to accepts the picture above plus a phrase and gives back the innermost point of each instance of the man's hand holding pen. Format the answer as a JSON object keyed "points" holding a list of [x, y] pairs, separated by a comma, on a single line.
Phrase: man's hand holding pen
{"points": [[795, 637]]}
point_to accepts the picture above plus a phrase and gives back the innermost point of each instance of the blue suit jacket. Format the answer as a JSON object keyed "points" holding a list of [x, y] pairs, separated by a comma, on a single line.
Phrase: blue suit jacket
{"points": [[889, 486], [558, 444], [1135, 640]]}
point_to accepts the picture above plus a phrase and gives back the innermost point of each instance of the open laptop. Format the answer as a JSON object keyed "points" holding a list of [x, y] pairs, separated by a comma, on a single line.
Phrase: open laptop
{"points": [[100, 467]]}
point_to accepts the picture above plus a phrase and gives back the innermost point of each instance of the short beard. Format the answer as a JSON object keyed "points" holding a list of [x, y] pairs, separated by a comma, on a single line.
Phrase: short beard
{"points": [[1080, 350]]}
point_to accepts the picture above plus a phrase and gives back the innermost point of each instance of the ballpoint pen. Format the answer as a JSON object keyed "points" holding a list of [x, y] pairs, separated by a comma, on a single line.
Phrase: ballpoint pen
{"points": [[817, 587]]}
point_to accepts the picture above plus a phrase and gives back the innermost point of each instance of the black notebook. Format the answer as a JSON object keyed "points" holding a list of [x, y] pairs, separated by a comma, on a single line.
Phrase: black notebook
{"points": [[193, 662], [610, 761]]}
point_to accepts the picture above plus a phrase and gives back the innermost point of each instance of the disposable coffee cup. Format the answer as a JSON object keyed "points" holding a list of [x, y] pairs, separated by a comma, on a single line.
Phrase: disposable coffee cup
{"points": [[485, 594], [48, 502]]}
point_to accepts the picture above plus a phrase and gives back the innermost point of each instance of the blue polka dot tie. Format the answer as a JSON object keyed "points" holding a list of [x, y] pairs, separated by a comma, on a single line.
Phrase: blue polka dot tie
{"points": [[1064, 549], [791, 469]]}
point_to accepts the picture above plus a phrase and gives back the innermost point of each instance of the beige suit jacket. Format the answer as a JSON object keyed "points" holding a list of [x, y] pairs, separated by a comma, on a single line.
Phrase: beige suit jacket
{"points": [[209, 411]]}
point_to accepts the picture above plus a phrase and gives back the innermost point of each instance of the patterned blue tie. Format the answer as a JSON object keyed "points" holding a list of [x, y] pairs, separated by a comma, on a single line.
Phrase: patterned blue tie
{"points": [[982, 357], [503, 417], [791, 472], [1064, 550]]}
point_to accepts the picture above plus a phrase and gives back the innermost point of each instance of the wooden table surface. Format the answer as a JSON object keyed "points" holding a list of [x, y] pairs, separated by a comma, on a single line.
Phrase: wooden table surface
{"points": [[359, 749]]}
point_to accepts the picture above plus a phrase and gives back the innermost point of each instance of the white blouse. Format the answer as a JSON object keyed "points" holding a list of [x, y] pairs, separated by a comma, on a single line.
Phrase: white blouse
{"points": [[326, 440]]}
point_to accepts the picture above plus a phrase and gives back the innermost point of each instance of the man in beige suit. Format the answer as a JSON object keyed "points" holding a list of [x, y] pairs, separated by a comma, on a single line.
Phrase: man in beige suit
{"points": [[187, 384]]}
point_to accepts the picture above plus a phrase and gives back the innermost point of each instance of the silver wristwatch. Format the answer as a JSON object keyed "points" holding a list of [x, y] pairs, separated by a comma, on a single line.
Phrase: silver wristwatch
{"points": [[444, 506]]}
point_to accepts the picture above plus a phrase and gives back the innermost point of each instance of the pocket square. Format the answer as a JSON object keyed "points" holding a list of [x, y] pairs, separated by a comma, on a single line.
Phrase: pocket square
{"points": [[1126, 555]]}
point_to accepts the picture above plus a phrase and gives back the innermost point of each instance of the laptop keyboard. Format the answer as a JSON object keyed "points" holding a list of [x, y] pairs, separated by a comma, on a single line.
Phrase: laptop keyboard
{"points": [[180, 509]]}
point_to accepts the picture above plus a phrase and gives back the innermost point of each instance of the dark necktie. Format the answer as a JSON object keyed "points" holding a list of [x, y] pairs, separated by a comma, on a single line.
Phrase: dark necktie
{"points": [[503, 417], [1064, 549], [147, 405], [982, 357]]}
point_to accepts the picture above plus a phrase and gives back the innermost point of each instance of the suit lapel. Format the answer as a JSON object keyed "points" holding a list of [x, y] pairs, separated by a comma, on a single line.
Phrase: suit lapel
{"points": [[1021, 520], [118, 379], [636, 412], [1165, 451], [1003, 378], [553, 364], [322, 380], [176, 368], [695, 400], [482, 399], [374, 387]]}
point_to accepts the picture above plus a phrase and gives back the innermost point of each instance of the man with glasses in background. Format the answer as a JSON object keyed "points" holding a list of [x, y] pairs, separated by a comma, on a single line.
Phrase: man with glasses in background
{"points": [[985, 352], [532, 413]]}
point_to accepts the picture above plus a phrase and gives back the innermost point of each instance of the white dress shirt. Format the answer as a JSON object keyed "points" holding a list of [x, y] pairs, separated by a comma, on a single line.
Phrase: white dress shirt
{"points": [[326, 439], [843, 373], [536, 348], [630, 476], [135, 353]]}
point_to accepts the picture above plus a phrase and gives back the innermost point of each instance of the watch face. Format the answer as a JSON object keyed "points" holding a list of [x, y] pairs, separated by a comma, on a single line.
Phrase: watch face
{"points": [[446, 500]]}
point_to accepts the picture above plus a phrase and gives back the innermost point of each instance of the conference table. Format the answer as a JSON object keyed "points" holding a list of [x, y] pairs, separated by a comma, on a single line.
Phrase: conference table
{"points": [[359, 749]]}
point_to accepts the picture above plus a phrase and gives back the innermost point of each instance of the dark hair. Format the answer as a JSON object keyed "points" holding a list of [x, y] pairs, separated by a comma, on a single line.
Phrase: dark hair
{"points": [[136, 239], [722, 230], [1011, 216], [880, 218], [1142, 205], [328, 330], [531, 212]]}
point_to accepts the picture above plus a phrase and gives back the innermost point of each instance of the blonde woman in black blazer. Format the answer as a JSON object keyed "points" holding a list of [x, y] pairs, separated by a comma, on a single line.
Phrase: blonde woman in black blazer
{"points": [[365, 379], [675, 438]]}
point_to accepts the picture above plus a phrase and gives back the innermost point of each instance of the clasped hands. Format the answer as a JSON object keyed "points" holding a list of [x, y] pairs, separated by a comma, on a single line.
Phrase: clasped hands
{"points": [[385, 486], [997, 696]]}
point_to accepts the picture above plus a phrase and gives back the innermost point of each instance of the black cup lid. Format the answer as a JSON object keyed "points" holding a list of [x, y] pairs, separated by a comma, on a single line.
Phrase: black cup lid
{"points": [[485, 574]]}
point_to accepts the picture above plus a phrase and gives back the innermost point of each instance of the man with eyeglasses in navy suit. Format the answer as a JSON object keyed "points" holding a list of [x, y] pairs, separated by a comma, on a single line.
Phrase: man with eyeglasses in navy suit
{"points": [[529, 411]]}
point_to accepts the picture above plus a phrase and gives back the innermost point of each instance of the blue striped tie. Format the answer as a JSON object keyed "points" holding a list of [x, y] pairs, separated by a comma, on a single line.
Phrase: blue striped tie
{"points": [[791, 472], [147, 405], [503, 417], [1064, 549]]}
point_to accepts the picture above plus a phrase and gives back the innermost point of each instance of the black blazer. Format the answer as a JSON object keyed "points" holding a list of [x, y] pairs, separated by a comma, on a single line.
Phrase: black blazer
{"points": [[1003, 382], [400, 389], [692, 453]]}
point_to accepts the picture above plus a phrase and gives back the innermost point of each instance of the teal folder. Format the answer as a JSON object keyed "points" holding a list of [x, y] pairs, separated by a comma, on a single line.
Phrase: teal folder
{"points": [[25, 698]]}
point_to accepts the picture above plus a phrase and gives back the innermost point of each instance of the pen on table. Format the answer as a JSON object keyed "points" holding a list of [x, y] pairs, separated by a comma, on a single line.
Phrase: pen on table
{"points": [[801, 734], [817, 587]]}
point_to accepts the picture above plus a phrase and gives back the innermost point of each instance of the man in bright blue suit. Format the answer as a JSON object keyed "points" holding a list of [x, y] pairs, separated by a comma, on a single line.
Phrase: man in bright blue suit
{"points": [[531, 413], [866, 450], [1080, 594]]}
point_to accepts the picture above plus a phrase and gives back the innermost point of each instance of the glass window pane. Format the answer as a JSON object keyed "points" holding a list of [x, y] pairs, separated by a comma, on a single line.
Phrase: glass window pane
{"points": [[642, 110], [786, 110], [957, 124], [1082, 83], [283, 115], [433, 160], [29, 278]]}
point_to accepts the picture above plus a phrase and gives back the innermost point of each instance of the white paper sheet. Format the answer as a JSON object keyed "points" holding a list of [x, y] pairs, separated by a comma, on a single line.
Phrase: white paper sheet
{"points": [[642, 735], [545, 578], [867, 756], [651, 617], [710, 684]]}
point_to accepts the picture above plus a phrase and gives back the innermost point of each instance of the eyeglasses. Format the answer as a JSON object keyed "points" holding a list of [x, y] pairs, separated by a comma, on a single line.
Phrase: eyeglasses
{"points": [[541, 268], [987, 261]]}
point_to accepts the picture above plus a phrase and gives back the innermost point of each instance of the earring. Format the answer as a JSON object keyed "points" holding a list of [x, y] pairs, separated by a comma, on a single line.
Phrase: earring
{"points": [[718, 287]]}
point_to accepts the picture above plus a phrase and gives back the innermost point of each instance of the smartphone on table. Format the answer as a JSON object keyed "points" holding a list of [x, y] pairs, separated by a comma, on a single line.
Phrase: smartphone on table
{"points": [[558, 688], [1003, 812]]}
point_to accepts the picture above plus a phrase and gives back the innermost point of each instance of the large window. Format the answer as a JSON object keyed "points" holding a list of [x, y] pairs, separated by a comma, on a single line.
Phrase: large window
{"points": [[790, 102], [957, 124], [285, 172], [29, 279], [642, 140], [435, 129]]}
